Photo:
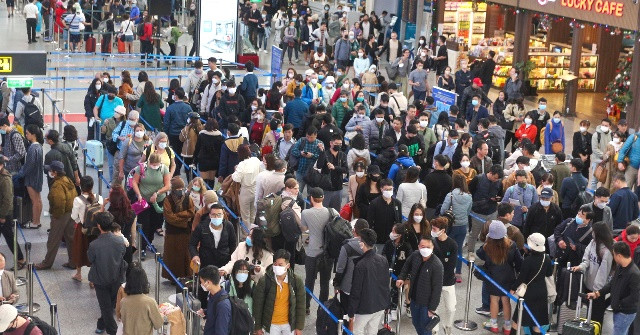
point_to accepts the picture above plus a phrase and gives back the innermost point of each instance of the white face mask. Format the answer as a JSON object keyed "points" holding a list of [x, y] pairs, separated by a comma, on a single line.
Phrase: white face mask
{"points": [[601, 205], [106, 80], [345, 86], [387, 194], [314, 81], [435, 235], [162, 145], [140, 133], [360, 174], [51, 175], [424, 123], [423, 54], [259, 117], [426, 252], [401, 64], [290, 75], [393, 236], [616, 140], [528, 121], [583, 129], [360, 54], [379, 119], [465, 164], [232, 90], [527, 168], [279, 270], [253, 108], [98, 87], [203, 287], [417, 218], [545, 203], [604, 129]]}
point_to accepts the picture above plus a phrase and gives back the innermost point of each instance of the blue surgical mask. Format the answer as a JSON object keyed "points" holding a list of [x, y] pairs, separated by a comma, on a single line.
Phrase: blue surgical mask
{"points": [[474, 102], [248, 241], [242, 277], [216, 221], [343, 99], [454, 140], [579, 220], [278, 130], [361, 99], [542, 107], [2, 131], [320, 77], [556, 119], [196, 188]]}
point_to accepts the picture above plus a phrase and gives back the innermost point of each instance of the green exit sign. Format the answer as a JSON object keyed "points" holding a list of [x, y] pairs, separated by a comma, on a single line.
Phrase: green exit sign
{"points": [[19, 82]]}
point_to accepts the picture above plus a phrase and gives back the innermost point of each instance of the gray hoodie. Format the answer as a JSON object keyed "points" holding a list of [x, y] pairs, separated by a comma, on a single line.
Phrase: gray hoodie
{"points": [[344, 269], [596, 273], [500, 134], [599, 142]]}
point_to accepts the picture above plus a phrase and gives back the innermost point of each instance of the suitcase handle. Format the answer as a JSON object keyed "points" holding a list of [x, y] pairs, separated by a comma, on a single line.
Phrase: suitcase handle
{"points": [[579, 309]]}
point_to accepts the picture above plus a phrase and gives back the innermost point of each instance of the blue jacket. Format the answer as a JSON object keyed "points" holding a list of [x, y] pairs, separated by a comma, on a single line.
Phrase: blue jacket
{"points": [[569, 191], [249, 86], [624, 207], [483, 112], [526, 197], [135, 14], [176, 117], [218, 315], [307, 93], [631, 149], [553, 132], [295, 112], [405, 161]]}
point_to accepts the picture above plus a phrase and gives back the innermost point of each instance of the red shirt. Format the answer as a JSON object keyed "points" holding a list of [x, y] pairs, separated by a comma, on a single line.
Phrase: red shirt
{"points": [[623, 238], [148, 32], [20, 330], [530, 132], [256, 132]]}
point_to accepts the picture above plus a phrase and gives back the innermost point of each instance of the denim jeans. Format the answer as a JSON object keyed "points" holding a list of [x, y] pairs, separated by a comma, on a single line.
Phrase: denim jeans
{"points": [[110, 159], [420, 318], [458, 234], [621, 323], [301, 183], [485, 295]]}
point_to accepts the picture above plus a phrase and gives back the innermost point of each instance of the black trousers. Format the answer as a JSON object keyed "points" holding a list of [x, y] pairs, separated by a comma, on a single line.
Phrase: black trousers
{"points": [[146, 48], [312, 266], [172, 47], [7, 231], [45, 25], [150, 221], [107, 295], [31, 29], [176, 145]]}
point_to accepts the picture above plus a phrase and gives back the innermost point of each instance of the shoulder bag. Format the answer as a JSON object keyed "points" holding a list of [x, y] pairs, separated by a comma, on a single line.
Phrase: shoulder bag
{"points": [[522, 288]]}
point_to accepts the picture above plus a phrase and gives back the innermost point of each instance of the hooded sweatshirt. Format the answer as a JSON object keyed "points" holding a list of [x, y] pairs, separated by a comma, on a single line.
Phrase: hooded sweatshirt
{"points": [[596, 267], [406, 162], [229, 155], [344, 268], [623, 238], [599, 142], [355, 154]]}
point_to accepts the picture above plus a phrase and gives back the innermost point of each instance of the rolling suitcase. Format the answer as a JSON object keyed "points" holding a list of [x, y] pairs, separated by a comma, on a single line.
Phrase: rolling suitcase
{"points": [[105, 47], [95, 153], [120, 46], [570, 289], [581, 326], [90, 46]]}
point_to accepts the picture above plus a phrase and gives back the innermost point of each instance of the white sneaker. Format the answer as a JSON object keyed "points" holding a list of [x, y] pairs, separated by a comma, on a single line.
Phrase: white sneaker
{"points": [[393, 314], [265, 51], [408, 311]]}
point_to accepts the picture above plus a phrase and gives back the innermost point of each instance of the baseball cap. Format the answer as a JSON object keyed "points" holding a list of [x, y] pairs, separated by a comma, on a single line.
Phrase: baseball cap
{"points": [[8, 314], [535, 242], [546, 193], [477, 81], [497, 230], [55, 166], [316, 192], [120, 110]]}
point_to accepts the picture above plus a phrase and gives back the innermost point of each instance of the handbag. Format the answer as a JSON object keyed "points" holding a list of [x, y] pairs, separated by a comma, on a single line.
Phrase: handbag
{"points": [[557, 147], [448, 214], [346, 212], [139, 206], [122, 38], [601, 173], [522, 288]]}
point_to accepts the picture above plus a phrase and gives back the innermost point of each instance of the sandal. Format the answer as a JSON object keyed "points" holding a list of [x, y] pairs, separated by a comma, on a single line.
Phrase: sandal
{"points": [[30, 225], [78, 279], [160, 232]]}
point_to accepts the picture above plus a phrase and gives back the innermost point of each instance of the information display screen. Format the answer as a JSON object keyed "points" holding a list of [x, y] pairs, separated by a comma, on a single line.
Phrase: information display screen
{"points": [[218, 19]]}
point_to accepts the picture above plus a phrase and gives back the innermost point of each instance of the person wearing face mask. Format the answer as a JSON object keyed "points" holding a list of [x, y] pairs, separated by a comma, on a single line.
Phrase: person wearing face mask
{"points": [[522, 196], [328, 90], [540, 118], [125, 129], [105, 105], [13, 149], [62, 192], [151, 182], [426, 273], [355, 180], [582, 145], [253, 250], [279, 299], [245, 173], [396, 250], [554, 135], [209, 96], [527, 129], [160, 146], [216, 303], [358, 153], [312, 91], [522, 164], [599, 142], [240, 284], [368, 191], [178, 213], [463, 79], [196, 190], [131, 152], [572, 236], [610, 158], [189, 138], [90, 99], [571, 187], [543, 216], [361, 63], [197, 76], [384, 212], [333, 162], [601, 210], [446, 249], [476, 112]]}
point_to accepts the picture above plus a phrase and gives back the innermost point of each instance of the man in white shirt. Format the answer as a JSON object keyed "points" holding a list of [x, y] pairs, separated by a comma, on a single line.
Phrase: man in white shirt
{"points": [[31, 14]]}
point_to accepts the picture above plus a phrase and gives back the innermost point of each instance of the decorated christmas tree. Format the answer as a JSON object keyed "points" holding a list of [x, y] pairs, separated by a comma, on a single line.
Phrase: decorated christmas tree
{"points": [[618, 93]]}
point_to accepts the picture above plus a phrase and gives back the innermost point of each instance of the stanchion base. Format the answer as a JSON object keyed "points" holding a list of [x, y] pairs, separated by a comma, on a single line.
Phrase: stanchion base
{"points": [[21, 281], [553, 327], [24, 308], [467, 326]]}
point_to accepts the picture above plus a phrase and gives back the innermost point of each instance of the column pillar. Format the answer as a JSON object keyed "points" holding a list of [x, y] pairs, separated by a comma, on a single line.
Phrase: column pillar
{"points": [[419, 24], [633, 109], [571, 88], [521, 39]]}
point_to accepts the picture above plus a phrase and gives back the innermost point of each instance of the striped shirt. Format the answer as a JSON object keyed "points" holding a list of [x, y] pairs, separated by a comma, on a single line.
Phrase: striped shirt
{"points": [[74, 21]]}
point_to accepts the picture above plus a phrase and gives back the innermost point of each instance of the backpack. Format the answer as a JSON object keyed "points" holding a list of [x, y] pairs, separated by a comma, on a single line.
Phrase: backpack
{"points": [[44, 327], [289, 223], [494, 148], [335, 232], [431, 152], [32, 114], [324, 324], [112, 146], [140, 29], [26, 144], [89, 224], [241, 319], [583, 197], [268, 214], [148, 152], [400, 174]]}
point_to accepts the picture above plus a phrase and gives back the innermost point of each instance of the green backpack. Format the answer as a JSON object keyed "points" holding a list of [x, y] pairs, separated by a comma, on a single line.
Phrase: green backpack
{"points": [[268, 214]]}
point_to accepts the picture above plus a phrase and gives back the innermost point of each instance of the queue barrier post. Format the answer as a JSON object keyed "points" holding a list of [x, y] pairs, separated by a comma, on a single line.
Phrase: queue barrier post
{"points": [[20, 281], [100, 181], [399, 309], [30, 287], [196, 305], [520, 311], [53, 108], [185, 305], [158, 274], [553, 326], [139, 243], [466, 324], [20, 214], [64, 98], [53, 309], [84, 168]]}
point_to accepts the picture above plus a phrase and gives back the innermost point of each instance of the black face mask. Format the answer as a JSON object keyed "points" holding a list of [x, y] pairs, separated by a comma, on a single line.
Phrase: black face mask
{"points": [[374, 178], [111, 97]]}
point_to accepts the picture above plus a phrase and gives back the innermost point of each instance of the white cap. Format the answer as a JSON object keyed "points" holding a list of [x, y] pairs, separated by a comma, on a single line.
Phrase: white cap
{"points": [[8, 314], [121, 110], [330, 80]]}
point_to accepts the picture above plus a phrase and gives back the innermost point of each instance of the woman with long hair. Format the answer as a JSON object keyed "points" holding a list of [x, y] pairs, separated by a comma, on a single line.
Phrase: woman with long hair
{"points": [[196, 189], [502, 261], [465, 143], [125, 88], [120, 208], [82, 237], [411, 191], [178, 214], [189, 138], [358, 153], [32, 172], [397, 250], [138, 311], [206, 155], [150, 105], [355, 180], [239, 285], [253, 249], [273, 101], [597, 263], [131, 152], [93, 93], [369, 190], [459, 200], [534, 269], [464, 166], [417, 225], [445, 81], [174, 84], [442, 126]]}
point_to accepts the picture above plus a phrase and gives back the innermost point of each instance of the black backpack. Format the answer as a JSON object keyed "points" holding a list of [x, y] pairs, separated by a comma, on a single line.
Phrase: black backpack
{"points": [[26, 144], [431, 152], [44, 327], [241, 319], [140, 30], [583, 197], [335, 232], [324, 323], [400, 174], [32, 114], [494, 148], [289, 224]]}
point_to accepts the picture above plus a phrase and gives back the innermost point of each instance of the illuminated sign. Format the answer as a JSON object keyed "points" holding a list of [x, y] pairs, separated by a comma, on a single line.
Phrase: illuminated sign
{"points": [[218, 20], [23, 63], [5, 64], [19, 82], [598, 6]]}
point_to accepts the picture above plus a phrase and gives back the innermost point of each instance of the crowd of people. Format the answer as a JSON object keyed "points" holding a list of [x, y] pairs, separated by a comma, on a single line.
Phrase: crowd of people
{"points": [[420, 186]]}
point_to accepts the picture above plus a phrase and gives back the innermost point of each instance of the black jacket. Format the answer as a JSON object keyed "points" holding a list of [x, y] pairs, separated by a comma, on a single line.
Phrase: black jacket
{"points": [[392, 133], [484, 192], [209, 254], [581, 144], [426, 285], [370, 285], [624, 288], [325, 133], [438, 184], [486, 71], [385, 159], [382, 216], [540, 221], [339, 162]]}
